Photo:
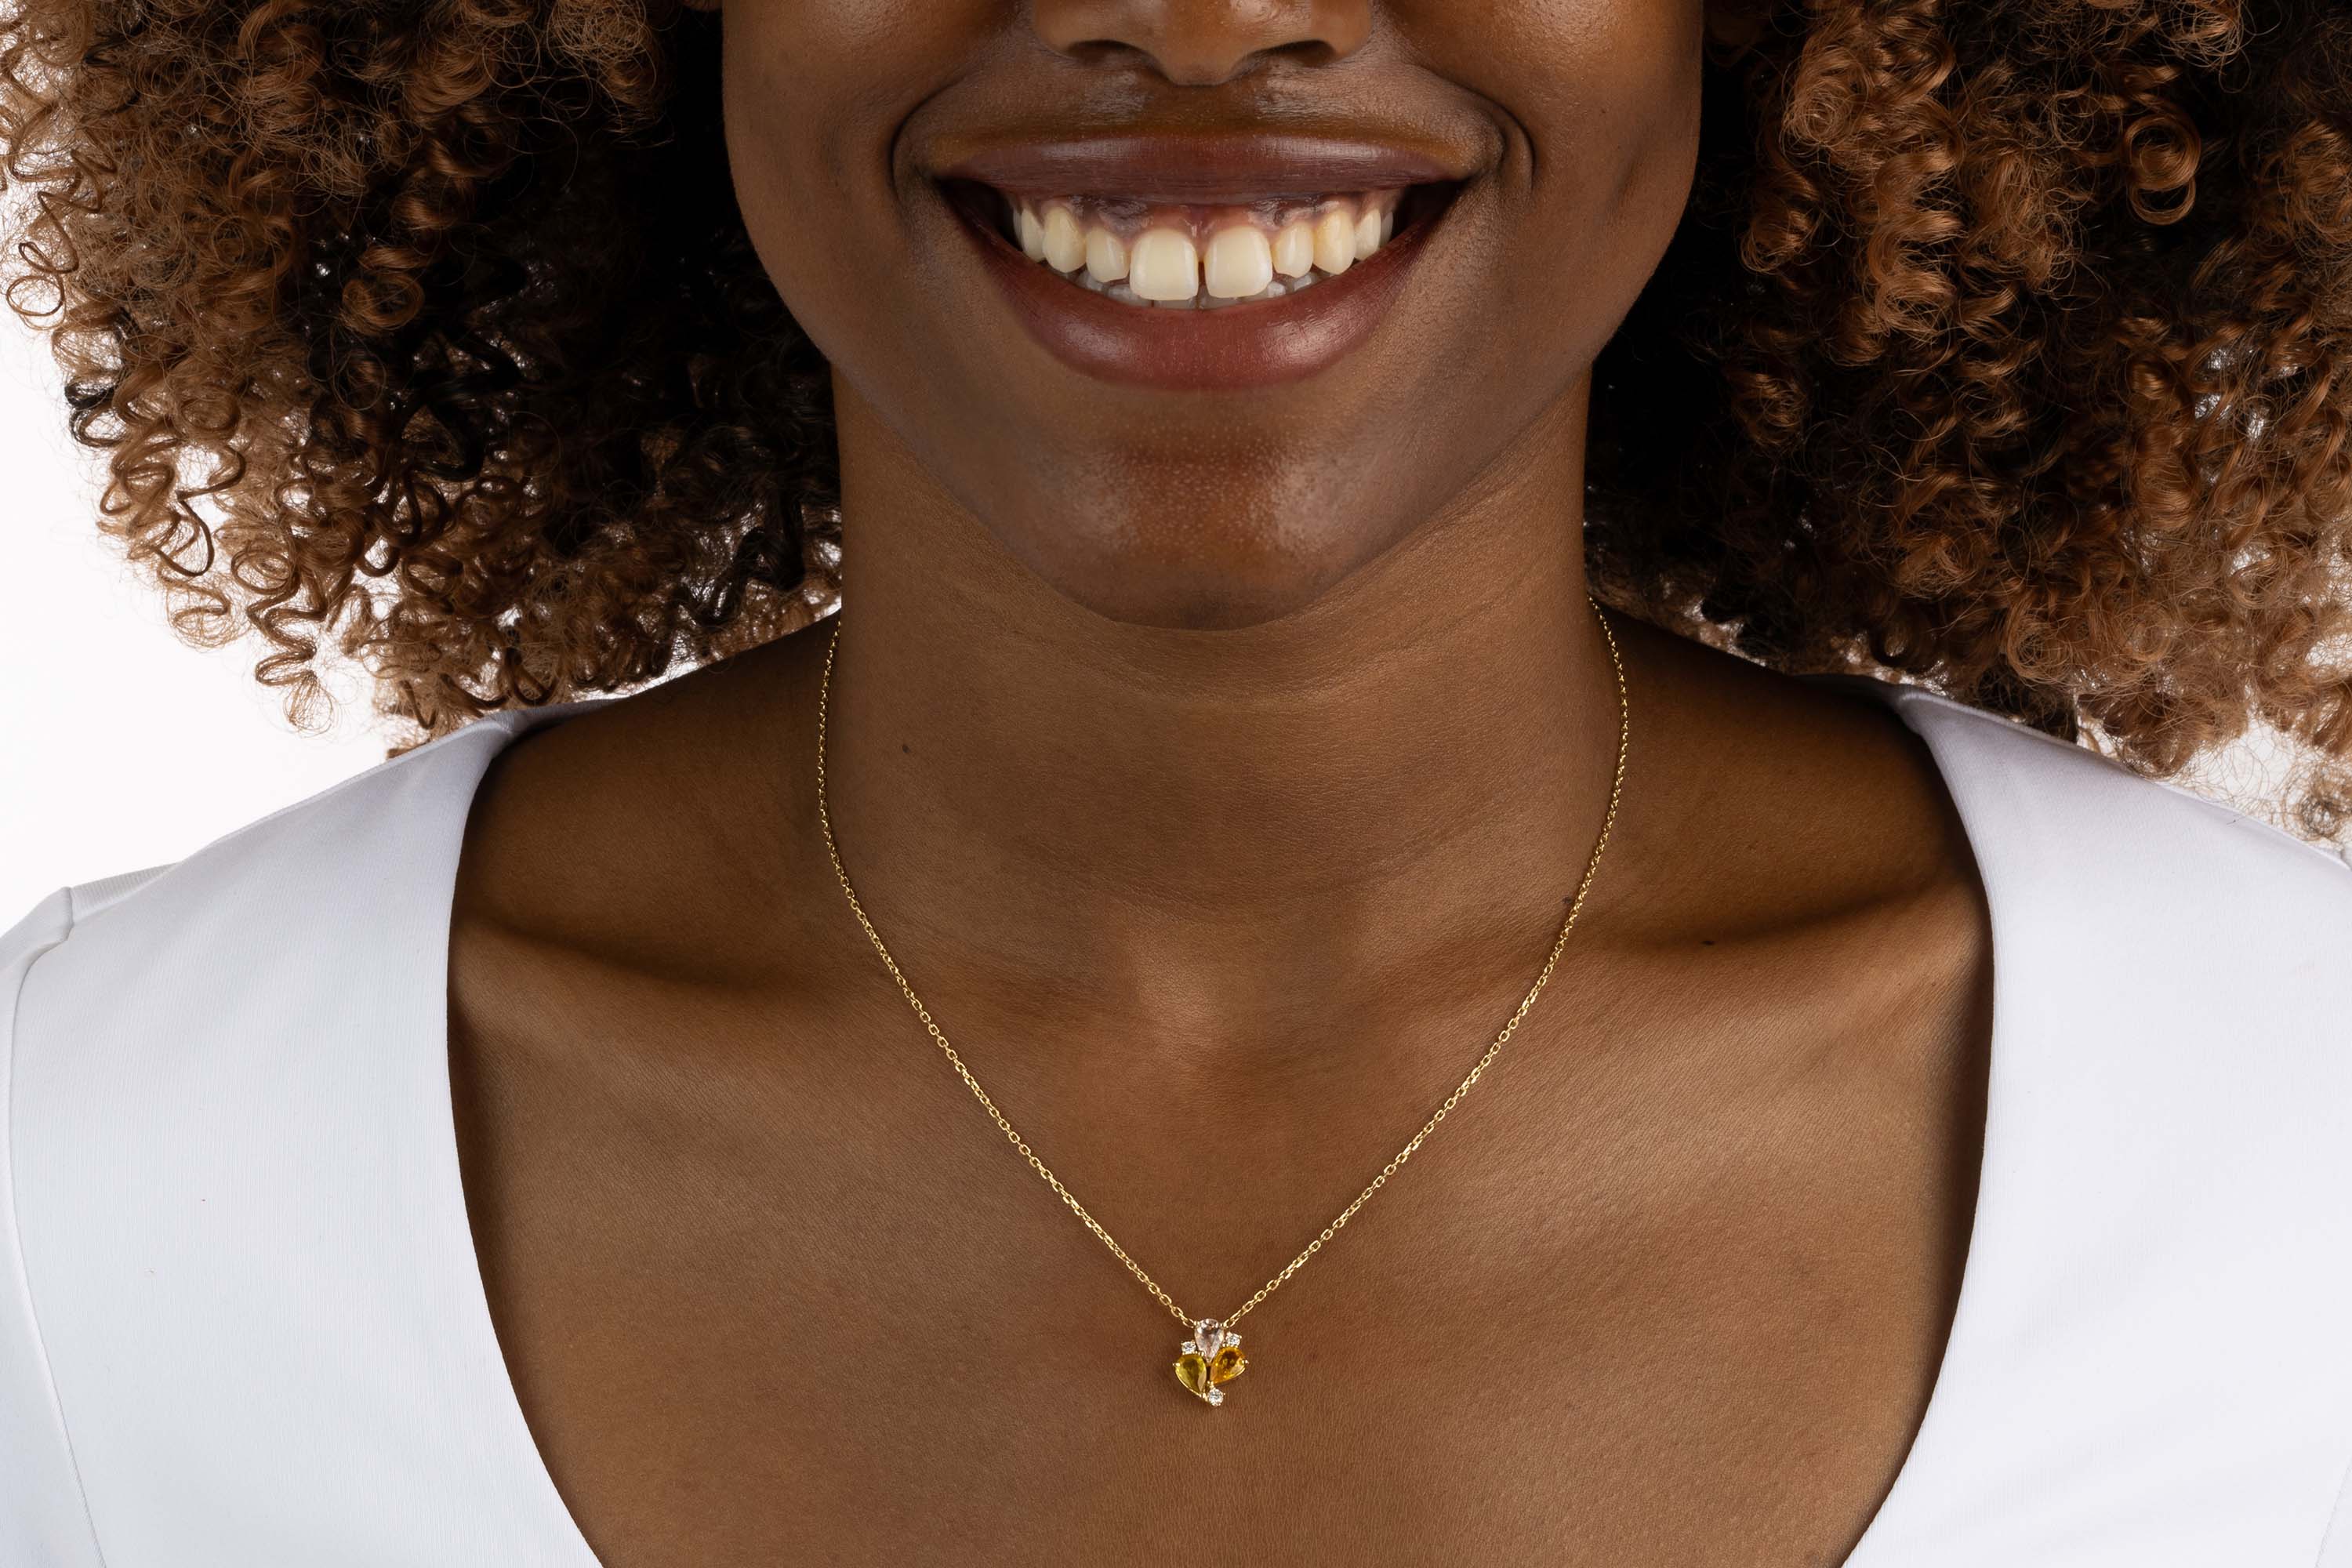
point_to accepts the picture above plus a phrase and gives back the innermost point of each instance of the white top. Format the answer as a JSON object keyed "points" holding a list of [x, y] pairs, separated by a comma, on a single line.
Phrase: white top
{"points": [[241, 1321]]}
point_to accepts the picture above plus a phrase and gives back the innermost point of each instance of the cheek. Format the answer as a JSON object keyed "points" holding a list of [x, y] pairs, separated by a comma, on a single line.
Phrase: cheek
{"points": [[1572, 67], [1599, 101], [815, 92]]}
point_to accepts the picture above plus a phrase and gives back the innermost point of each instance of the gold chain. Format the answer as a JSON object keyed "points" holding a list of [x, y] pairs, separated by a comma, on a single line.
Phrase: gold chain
{"points": [[1576, 906]]}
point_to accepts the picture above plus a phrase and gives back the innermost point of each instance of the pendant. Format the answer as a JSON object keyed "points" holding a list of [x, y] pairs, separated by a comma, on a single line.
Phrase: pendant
{"points": [[1211, 1356]]}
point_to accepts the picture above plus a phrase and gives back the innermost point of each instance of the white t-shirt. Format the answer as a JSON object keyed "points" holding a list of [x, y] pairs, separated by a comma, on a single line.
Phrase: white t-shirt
{"points": [[242, 1323]]}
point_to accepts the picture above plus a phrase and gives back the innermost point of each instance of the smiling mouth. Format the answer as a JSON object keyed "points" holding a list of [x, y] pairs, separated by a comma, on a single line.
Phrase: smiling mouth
{"points": [[1201, 262], [1200, 255]]}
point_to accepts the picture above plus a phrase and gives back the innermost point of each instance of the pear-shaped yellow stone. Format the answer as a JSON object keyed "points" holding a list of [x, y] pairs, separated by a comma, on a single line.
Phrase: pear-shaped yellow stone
{"points": [[1192, 1371], [1228, 1365]]}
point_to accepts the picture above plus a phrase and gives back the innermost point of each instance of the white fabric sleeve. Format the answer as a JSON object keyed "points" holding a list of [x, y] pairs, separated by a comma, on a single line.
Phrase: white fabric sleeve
{"points": [[44, 1518]]}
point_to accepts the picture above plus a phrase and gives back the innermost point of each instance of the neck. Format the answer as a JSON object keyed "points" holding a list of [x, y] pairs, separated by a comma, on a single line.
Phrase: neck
{"points": [[1176, 823]]}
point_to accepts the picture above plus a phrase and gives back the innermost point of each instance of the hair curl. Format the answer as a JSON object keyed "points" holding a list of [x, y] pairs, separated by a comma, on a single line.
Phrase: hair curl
{"points": [[2006, 346]]}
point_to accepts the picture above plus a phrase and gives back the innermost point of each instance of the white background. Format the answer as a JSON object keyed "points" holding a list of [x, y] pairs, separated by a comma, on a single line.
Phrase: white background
{"points": [[120, 746]]}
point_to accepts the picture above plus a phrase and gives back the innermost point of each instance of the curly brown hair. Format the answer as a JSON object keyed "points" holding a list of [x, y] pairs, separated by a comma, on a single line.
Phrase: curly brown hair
{"points": [[2006, 346]]}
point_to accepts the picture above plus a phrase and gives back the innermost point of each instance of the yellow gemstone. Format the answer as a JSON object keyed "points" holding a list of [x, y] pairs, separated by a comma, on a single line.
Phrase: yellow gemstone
{"points": [[1193, 1372], [1228, 1365]]}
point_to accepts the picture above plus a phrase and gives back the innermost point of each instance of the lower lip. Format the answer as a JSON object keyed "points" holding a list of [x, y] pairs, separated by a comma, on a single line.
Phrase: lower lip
{"points": [[1263, 344]]}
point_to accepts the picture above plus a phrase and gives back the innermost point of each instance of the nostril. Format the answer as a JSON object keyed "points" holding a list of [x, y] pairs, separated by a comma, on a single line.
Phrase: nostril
{"points": [[1199, 68], [1307, 52], [1202, 46], [1177, 69]]}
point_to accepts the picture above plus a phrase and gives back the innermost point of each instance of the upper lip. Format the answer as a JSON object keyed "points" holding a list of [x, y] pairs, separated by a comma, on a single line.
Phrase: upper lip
{"points": [[1195, 166]]}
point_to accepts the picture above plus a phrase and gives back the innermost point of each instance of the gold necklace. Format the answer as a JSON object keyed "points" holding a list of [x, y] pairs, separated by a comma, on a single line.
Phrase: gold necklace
{"points": [[1211, 1356]]}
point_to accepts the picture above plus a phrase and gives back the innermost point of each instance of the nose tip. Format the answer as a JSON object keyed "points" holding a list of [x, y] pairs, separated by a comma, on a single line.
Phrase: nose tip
{"points": [[1200, 43]]}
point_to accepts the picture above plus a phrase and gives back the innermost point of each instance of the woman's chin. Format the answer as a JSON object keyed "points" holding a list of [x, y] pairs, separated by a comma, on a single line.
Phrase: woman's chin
{"points": [[1165, 579]]}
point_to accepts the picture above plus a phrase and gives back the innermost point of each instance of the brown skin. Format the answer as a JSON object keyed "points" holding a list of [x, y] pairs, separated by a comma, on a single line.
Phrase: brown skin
{"points": [[1220, 848]]}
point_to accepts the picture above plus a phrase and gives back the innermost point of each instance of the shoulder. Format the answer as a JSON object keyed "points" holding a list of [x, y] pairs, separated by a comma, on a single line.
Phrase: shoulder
{"points": [[302, 923], [2172, 980], [347, 862], [2162, 1252], [2127, 872], [216, 1074], [117, 987]]}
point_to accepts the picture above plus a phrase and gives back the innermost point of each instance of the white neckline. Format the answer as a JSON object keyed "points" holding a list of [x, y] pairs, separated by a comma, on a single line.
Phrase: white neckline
{"points": [[453, 1232], [462, 1266], [1911, 1476]]}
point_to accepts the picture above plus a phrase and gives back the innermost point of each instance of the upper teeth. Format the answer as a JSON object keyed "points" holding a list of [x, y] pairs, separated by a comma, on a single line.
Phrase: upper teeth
{"points": [[1203, 256]]}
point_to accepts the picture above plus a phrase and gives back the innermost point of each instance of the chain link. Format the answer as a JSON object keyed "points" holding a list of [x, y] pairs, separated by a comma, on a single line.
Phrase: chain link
{"points": [[1575, 907]]}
